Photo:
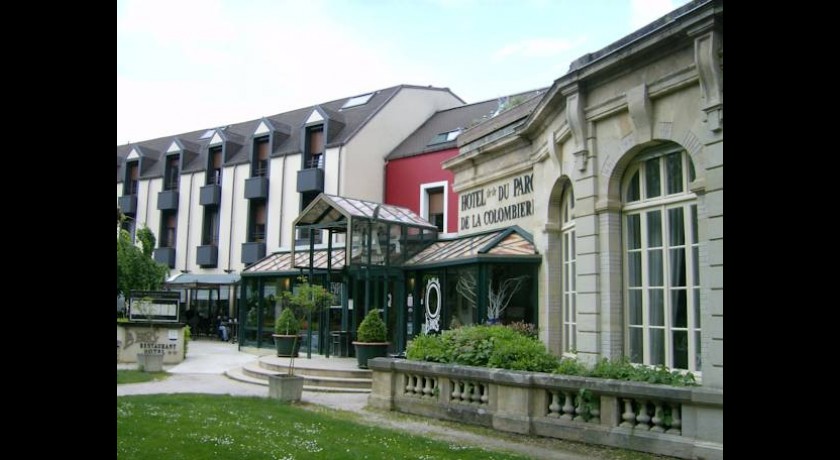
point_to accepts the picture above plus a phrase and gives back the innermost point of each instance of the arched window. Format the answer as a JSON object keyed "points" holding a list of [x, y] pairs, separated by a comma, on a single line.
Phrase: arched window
{"points": [[567, 235], [661, 266]]}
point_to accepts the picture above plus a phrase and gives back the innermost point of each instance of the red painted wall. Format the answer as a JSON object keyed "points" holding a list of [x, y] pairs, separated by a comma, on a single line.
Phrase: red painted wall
{"points": [[404, 176]]}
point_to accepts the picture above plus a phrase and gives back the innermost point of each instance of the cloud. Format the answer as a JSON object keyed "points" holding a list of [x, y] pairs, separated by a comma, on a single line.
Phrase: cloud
{"points": [[537, 48], [175, 76], [643, 12]]}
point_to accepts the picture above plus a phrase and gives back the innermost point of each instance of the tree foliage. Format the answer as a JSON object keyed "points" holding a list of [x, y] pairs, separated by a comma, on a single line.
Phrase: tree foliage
{"points": [[136, 270]]}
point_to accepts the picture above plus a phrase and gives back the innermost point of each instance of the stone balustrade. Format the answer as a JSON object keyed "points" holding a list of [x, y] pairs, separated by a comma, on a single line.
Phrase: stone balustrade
{"points": [[685, 422]]}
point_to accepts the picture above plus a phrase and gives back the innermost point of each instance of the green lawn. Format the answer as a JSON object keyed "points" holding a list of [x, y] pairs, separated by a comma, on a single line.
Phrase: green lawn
{"points": [[132, 376], [188, 426]]}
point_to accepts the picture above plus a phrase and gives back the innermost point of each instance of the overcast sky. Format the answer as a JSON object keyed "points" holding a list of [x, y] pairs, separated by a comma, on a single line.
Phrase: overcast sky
{"points": [[185, 65]]}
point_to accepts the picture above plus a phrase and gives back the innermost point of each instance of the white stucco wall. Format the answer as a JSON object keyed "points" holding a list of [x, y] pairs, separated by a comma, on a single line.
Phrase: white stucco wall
{"points": [[363, 158]]}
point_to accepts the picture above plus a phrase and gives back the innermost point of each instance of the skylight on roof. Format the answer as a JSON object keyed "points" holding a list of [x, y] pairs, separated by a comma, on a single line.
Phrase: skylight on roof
{"points": [[358, 100], [445, 137]]}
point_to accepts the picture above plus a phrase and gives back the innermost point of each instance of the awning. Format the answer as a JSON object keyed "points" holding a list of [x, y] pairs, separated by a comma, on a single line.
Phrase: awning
{"points": [[281, 262], [190, 280], [511, 244]]}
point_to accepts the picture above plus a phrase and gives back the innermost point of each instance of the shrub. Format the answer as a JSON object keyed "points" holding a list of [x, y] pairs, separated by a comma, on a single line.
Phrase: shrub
{"points": [[426, 348], [526, 329], [571, 366], [522, 353], [286, 324], [485, 346], [622, 369], [372, 328]]}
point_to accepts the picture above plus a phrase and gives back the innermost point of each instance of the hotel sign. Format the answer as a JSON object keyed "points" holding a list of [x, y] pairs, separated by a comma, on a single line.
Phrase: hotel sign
{"points": [[502, 203]]}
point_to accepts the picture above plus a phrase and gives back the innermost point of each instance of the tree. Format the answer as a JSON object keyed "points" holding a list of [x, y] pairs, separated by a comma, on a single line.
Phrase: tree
{"points": [[136, 270]]}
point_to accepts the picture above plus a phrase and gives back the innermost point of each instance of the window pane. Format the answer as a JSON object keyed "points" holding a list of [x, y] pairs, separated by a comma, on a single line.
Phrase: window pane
{"points": [[635, 313], [654, 229], [679, 308], [691, 175], [634, 267], [676, 227], [680, 345], [634, 231], [697, 308], [677, 261], [653, 184], [673, 166], [633, 188], [573, 245], [566, 247], [636, 345], [695, 270], [656, 300], [657, 346], [697, 348], [574, 276], [694, 223], [655, 267]]}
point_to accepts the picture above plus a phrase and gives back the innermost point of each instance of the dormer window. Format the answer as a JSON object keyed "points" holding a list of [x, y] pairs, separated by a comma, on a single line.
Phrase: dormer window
{"points": [[171, 173], [214, 169], [259, 165], [132, 178], [357, 101], [315, 147], [445, 137]]}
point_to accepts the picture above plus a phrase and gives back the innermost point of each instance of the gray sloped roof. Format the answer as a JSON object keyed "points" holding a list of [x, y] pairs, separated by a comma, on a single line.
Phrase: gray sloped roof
{"points": [[448, 120], [505, 118], [352, 119]]}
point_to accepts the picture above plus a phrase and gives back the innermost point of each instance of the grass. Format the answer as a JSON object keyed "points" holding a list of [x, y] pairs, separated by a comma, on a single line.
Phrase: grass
{"points": [[189, 426], [134, 376]]}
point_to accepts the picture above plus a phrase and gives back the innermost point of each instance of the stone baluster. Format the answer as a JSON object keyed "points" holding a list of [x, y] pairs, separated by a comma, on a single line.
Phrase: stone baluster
{"points": [[568, 406], [595, 410], [427, 386], [554, 406], [643, 418], [465, 395], [628, 416], [475, 396], [657, 418], [409, 385], [580, 406], [456, 393], [485, 393], [676, 422], [418, 387]]}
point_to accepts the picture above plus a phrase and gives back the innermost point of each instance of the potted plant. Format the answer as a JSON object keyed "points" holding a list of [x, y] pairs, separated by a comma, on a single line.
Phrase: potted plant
{"points": [[371, 339], [308, 299], [286, 387], [285, 335]]}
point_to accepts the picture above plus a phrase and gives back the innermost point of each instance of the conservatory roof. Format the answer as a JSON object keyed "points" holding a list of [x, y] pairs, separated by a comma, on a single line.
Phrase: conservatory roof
{"points": [[512, 242], [195, 280], [328, 210], [282, 261]]}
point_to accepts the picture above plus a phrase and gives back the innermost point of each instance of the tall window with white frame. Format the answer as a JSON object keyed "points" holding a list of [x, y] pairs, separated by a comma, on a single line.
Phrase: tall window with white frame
{"points": [[661, 266], [567, 235], [433, 204], [436, 209]]}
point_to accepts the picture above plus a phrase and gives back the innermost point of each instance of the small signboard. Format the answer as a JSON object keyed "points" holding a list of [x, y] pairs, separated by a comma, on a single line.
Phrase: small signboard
{"points": [[154, 306]]}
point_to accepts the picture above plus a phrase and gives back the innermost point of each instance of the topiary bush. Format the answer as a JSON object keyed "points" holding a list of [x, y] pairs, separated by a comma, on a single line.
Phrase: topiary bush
{"points": [[286, 323], [372, 329]]}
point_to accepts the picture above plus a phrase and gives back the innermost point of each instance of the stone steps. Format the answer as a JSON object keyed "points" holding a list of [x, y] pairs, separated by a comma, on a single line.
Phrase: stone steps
{"points": [[320, 374]]}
